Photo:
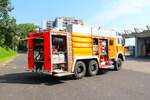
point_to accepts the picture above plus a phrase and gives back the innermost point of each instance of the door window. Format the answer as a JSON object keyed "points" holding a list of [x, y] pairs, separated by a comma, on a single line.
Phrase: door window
{"points": [[111, 42]]}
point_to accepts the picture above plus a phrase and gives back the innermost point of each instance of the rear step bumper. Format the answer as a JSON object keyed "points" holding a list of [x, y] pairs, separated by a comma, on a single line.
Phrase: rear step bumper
{"points": [[63, 74], [60, 73], [108, 67]]}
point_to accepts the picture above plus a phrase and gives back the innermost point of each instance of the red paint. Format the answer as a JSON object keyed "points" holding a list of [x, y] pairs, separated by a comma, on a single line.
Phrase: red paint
{"points": [[104, 58], [36, 35], [30, 53], [58, 32], [47, 52], [147, 53]]}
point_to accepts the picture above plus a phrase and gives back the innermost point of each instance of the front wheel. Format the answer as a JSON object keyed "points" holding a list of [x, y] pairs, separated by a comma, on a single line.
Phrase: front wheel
{"points": [[80, 70], [118, 64]]}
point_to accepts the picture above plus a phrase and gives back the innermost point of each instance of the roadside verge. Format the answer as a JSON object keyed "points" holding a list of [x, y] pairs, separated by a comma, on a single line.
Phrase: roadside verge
{"points": [[6, 55]]}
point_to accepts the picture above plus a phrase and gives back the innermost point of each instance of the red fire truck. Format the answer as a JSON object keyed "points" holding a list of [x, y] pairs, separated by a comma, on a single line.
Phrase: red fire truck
{"points": [[75, 52]]}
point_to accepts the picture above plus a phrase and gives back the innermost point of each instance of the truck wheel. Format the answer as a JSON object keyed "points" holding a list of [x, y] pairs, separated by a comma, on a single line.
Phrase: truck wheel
{"points": [[80, 70], [93, 68], [118, 65]]}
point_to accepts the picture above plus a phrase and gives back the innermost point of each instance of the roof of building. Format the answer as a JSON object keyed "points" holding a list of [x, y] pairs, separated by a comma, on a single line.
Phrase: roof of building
{"points": [[137, 33]]}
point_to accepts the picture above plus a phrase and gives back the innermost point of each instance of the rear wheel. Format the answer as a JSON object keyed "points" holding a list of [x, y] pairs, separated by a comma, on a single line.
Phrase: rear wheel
{"points": [[118, 64], [80, 70], [92, 68]]}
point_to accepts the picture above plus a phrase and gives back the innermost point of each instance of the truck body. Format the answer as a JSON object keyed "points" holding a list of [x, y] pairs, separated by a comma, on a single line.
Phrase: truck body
{"points": [[78, 51]]}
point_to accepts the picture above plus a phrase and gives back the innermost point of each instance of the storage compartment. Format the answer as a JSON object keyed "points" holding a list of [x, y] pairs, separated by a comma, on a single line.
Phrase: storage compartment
{"points": [[38, 54], [59, 52], [58, 58]]}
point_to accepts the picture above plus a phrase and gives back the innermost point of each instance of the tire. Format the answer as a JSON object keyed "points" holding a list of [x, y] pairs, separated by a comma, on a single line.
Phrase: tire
{"points": [[92, 68], [80, 70], [118, 64]]}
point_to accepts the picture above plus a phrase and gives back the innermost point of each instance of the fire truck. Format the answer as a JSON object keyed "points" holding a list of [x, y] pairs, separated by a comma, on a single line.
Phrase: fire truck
{"points": [[77, 51]]}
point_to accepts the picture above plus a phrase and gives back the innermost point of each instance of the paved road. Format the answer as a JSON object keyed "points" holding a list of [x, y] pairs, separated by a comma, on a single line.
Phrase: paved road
{"points": [[128, 84]]}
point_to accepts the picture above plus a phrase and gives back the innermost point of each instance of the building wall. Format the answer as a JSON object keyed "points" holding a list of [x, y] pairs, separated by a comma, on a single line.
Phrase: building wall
{"points": [[147, 46], [61, 22], [142, 41], [141, 47]]}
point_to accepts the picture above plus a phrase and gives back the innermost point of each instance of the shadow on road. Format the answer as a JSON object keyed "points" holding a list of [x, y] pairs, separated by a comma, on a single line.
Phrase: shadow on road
{"points": [[37, 78], [32, 78]]}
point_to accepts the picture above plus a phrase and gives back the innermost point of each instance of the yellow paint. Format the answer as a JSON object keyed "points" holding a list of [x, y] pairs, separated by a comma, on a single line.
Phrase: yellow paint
{"points": [[120, 48], [81, 39], [112, 48], [82, 51], [81, 35], [82, 54], [82, 45]]}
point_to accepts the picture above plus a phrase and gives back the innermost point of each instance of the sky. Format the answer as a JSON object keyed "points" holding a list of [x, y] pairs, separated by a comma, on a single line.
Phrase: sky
{"points": [[114, 14]]}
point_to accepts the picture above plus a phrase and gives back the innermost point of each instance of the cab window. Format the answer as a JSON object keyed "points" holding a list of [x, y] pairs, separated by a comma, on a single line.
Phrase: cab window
{"points": [[119, 41], [123, 41]]}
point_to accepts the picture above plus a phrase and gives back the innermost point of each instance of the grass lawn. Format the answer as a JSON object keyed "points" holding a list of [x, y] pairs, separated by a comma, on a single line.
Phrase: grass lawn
{"points": [[6, 54]]}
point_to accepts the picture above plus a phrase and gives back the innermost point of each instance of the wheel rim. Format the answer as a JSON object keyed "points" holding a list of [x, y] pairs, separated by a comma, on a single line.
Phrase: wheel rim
{"points": [[119, 63], [80, 69], [93, 67]]}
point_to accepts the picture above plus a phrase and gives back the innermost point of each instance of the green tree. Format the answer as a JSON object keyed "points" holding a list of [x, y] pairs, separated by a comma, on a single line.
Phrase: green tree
{"points": [[7, 24], [10, 32], [22, 31], [7, 32], [5, 8]]}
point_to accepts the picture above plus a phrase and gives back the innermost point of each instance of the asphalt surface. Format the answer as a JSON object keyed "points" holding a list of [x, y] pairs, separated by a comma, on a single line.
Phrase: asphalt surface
{"points": [[127, 84]]}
